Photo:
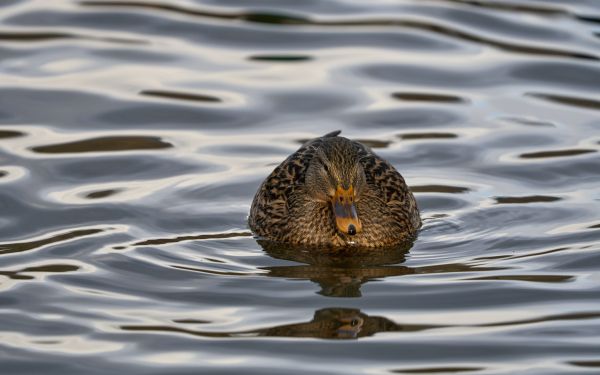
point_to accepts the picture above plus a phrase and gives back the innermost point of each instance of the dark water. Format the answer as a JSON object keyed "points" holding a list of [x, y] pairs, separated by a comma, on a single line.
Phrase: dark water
{"points": [[134, 134]]}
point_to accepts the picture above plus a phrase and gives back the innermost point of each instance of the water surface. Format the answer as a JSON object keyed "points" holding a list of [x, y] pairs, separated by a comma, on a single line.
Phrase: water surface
{"points": [[134, 134]]}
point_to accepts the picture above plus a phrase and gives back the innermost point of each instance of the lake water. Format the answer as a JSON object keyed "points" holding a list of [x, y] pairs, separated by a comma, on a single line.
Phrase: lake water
{"points": [[134, 134]]}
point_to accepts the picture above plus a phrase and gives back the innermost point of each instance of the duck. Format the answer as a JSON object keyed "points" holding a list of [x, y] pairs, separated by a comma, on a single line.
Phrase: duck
{"points": [[335, 192]]}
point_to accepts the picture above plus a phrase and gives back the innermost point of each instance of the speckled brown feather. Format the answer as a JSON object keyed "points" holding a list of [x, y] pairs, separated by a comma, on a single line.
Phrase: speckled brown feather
{"points": [[283, 211]]}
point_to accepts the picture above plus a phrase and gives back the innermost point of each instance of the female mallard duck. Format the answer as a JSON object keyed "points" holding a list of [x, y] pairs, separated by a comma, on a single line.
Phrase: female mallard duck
{"points": [[335, 192]]}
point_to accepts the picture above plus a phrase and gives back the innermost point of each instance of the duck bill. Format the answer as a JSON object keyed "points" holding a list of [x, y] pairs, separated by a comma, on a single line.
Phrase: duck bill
{"points": [[344, 208]]}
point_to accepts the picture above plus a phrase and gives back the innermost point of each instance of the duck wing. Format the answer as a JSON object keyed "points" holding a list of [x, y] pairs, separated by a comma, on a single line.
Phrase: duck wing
{"points": [[270, 207], [389, 185]]}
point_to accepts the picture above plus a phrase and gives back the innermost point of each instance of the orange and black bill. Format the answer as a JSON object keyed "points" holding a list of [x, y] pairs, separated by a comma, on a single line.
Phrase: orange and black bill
{"points": [[344, 209]]}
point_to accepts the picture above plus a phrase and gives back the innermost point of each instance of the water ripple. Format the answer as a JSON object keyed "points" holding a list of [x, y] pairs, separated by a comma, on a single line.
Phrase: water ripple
{"points": [[555, 153], [163, 241], [29, 37], [427, 97], [569, 100], [432, 135], [437, 370], [180, 96], [17, 247], [104, 144], [528, 199], [297, 20], [10, 134], [22, 274]]}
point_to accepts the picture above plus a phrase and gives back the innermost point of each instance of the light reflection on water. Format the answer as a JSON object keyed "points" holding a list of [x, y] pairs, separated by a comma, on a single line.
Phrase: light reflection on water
{"points": [[133, 136]]}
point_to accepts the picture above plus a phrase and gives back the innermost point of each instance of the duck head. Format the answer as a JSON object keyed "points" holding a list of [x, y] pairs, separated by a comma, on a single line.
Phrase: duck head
{"points": [[336, 177]]}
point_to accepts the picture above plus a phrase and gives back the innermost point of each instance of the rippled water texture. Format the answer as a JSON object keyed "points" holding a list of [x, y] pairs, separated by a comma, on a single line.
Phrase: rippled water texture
{"points": [[134, 134]]}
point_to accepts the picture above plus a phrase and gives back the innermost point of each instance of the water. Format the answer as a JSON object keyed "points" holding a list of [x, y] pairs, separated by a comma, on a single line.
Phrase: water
{"points": [[133, 136]]}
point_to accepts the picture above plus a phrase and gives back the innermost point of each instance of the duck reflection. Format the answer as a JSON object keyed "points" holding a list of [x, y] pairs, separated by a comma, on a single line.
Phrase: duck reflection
{"points": [[340, 323], [338, 272], [328, 323], [342, 272]]}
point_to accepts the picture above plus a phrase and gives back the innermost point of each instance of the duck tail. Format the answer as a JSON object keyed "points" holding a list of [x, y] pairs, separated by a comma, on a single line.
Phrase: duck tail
{"points": [[332, 134]]}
